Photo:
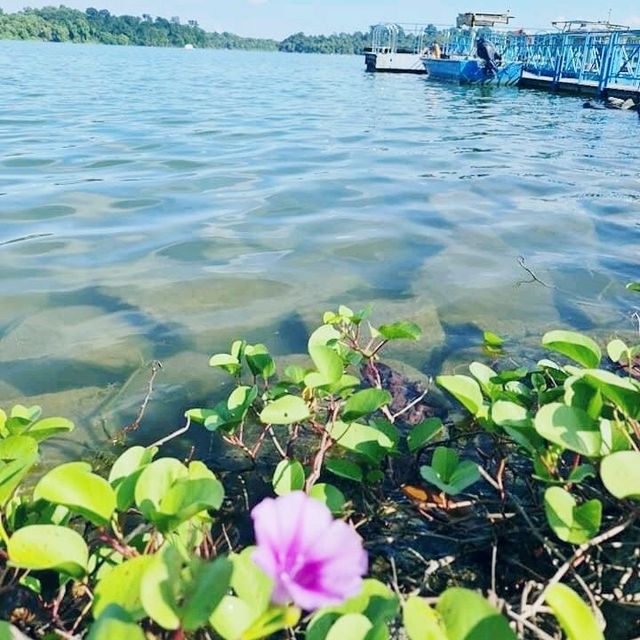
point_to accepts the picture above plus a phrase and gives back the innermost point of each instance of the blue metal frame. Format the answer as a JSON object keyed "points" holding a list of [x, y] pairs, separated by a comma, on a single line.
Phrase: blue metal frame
{"points": [[602, 60]]}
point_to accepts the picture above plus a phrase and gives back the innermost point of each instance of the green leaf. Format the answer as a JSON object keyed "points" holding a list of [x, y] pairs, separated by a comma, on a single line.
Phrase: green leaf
{"points": [[74, 486], [285, 410], [115, 623], [400, 331], [287, 477], [204, 591], [423, 433], [570, 428], [633, 286], [581, 473], [576, 346], [465, 390], [352, 626], [154, 483], [363, 403], [570, 522], [421, 622], [363, 439], [160, 588], [232, 617], [260, 361], [329, 495], [125, 472], [448, 473], [273, 620], [485, 376], [574, 616], [323, 336], [624, 393], [12, 473], [344, 469], [46, 546], [49, 427], [295, 374], [121, 586], [249, 582], [227, 362], [620, 473], [617, 350], [200, 416], [510, 414], [329, 367], [492, 340], [468, 616]]}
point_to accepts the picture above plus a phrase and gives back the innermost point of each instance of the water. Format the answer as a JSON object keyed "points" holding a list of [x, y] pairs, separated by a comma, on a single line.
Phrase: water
{"points": [[160, 203]]}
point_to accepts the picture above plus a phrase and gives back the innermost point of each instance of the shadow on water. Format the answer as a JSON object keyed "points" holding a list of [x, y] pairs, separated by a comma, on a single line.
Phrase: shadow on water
{"points": [[458, 338], [166, 339]]}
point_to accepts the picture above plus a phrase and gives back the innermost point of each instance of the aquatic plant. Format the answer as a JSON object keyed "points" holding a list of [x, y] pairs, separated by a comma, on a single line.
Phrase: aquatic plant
{"points": [[144, 548]]}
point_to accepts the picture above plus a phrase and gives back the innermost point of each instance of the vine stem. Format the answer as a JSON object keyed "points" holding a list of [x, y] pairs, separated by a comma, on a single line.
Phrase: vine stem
{"points": [[580, 552]]}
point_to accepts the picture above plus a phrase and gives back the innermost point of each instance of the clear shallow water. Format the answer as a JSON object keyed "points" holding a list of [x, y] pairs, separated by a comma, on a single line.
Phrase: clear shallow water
{"points": [[160, 203]]}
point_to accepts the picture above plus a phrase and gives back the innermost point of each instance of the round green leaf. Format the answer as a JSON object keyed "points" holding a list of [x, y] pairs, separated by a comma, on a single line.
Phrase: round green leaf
{"points": [[344, 469], [329, 495], [287, 477], [620, 473], [49, 427], [154, 483], [468, 616], [74, 486], [617, 350], [249, 582], [579, 348], [570, 428], [353, 626], [285, 410], [464, 389], [125, 472], [400, 331], [364, 403], [115, 624], [121, 586], [47, 546], [421, 622], [329, 367], [570, 522], [574, 616], [233, 617], [423, 433]]}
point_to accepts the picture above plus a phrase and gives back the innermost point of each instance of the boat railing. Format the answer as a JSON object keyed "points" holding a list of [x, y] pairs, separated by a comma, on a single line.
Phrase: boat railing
{"points": [[402, 37]]}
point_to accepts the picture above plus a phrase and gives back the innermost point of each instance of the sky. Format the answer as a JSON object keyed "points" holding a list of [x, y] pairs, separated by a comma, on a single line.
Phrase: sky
{"points": [[279, 18]]}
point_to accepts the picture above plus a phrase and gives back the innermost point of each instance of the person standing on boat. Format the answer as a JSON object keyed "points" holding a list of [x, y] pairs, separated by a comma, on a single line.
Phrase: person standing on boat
{"points": [[487, 52]]}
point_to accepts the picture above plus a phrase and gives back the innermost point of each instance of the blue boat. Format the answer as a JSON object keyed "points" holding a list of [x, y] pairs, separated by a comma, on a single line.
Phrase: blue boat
{"points": [[467, 56], [473, 71]]}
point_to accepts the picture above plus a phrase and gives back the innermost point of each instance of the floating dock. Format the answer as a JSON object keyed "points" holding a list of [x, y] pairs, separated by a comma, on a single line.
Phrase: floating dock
{"points": [[595, 59]]}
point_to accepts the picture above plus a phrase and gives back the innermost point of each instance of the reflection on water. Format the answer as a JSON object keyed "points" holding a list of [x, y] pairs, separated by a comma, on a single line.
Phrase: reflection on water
{"points": [[157, 204]]}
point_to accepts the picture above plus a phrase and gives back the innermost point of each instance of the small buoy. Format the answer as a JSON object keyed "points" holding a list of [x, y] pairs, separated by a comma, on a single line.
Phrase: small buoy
{"points": [[188, 46]]}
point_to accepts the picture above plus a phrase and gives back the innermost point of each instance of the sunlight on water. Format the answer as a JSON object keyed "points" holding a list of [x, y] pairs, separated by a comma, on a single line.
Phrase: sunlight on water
{"points": [[160, 203]]}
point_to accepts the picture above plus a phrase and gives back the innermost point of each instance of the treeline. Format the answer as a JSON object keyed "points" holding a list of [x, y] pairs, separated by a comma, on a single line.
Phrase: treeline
{"points": [[62, 24]]}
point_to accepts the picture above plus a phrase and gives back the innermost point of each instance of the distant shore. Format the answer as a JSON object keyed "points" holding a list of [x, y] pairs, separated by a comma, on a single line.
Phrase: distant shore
{"points": [[63, 24]]}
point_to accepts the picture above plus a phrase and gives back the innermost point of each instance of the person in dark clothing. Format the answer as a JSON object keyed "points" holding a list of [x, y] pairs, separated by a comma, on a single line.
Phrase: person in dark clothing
{"points": [[487, 52]]}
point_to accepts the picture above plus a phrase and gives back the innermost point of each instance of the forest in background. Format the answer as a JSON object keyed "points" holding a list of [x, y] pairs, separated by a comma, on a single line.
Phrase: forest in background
{"points": [[63, 24]]}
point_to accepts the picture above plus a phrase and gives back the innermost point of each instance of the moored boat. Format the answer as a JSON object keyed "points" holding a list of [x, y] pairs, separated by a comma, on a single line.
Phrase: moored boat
{"points": [[473, 71], [470, 58]]}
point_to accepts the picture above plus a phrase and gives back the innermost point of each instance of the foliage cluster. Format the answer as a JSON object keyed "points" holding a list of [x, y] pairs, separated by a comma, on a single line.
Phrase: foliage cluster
{"points": [[144, 548], [63, 24]]}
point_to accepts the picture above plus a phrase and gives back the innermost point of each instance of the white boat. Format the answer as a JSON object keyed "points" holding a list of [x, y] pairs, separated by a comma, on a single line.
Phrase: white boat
{"points": [[387, 54]]}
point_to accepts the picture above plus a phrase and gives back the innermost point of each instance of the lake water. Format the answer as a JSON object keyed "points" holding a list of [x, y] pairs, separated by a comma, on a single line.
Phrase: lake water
{"points": [[157, 204]]}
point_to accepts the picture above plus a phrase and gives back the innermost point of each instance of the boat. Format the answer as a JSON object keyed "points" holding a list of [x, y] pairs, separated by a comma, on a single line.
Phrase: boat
{"points": [[467, 57], [396, 48]]}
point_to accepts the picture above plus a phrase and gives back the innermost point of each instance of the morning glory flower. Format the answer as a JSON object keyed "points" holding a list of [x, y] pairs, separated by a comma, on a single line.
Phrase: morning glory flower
{"points": [[314, 560]]}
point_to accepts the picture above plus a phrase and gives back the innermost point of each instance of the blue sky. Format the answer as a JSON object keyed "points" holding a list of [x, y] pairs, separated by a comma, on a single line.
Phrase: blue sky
{"points": [[278, 18]]}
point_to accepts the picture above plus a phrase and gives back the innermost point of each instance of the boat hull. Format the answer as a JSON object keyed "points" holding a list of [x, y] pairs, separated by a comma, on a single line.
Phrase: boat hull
{"points": [[473, 71]]}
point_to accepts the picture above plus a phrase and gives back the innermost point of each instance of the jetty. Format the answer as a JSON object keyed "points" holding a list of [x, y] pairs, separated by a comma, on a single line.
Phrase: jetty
{"points": [[591, 58]]}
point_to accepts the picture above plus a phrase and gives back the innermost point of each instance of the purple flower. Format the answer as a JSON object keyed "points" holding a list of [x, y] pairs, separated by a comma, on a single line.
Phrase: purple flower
{"points": [[314, 560]]}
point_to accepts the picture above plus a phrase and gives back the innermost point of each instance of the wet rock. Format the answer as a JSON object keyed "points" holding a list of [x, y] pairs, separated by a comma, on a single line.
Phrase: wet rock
{"points": [[628, 105], [404, 392], [589, 104]]}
